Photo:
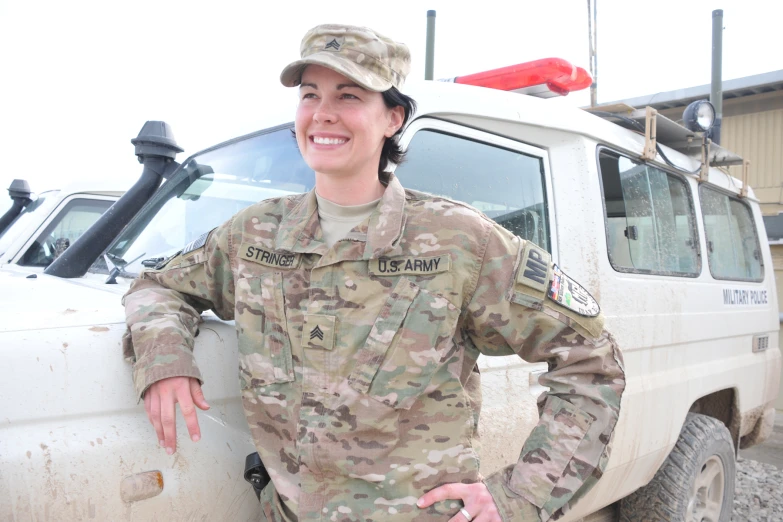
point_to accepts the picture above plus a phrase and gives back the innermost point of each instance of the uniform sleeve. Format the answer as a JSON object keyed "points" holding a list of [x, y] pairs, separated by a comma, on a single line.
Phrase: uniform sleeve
{"points": [[523, 304], [163, 308]]}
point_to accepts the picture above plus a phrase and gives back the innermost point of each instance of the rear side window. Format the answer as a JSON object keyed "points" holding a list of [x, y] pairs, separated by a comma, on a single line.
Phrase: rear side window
{"points": [[650, 222], [732, 240], [506, 185]]}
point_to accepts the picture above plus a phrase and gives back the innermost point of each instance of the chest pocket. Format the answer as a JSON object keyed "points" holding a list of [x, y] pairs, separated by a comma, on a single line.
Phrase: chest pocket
{"points": [[264, 345], [410, 341]]}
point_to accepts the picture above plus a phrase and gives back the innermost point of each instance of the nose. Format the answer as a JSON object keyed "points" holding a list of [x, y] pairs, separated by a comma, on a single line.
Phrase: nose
{"points": [[325, 113]]}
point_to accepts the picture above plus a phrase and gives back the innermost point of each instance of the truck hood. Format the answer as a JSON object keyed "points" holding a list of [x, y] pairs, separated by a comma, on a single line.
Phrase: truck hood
{"points": [[35, 301]]}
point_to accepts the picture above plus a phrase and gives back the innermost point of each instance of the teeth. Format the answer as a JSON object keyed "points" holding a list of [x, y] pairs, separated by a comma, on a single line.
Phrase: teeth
{"points": [[328, 141]]}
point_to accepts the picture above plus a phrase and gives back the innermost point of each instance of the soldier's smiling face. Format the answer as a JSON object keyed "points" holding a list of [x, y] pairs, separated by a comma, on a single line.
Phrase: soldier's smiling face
{"points": [[341, 126]]}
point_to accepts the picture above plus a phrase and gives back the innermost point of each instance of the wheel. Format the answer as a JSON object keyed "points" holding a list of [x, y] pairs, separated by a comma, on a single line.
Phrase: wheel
{"points": [[695, 483]]}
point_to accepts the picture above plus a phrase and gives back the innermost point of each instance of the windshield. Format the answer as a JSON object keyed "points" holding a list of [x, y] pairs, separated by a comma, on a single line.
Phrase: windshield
{"points": [[41, 205], [207, 190]]}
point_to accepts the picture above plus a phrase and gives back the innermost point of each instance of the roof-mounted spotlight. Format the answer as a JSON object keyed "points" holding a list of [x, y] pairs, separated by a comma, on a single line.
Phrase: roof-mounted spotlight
{"points": [[699, 116]]}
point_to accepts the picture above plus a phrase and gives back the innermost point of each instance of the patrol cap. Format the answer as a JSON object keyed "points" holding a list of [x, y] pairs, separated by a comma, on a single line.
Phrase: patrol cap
{"points": [[365, 56]]}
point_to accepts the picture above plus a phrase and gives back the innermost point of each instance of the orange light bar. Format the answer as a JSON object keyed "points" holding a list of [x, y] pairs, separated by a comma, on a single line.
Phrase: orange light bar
{"points": [[558, 74]]}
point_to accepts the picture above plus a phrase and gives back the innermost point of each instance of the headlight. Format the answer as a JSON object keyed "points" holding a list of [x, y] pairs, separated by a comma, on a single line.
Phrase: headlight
{"points": [[699, 116]]}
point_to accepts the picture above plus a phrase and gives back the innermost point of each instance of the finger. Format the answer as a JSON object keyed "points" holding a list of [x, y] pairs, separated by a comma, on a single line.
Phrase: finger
{"points": [[447, 491], [459, 517], [168, 418], [484, 511], [198, 395], [147, 400], [154, 415], [189, 413]]}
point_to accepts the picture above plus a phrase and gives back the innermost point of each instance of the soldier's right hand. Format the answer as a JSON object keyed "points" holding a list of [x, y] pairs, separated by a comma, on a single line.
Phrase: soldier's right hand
{"points": [[160, 400]]}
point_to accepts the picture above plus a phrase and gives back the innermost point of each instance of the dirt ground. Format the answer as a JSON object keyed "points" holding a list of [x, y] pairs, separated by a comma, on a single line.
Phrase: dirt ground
{"points": [[771, 451]]}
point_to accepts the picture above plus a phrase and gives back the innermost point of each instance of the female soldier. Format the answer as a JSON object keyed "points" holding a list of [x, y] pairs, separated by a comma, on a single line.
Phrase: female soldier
{"points": [[361, 309]]}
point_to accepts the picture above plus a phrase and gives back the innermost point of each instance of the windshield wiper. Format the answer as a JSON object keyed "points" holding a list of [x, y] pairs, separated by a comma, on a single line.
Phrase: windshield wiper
{"points": [[152, 262], [119, 267], [116, 260]]}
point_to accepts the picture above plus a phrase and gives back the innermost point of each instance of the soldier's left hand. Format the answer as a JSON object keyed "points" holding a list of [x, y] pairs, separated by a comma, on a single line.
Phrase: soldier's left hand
{"points": [[476, 498]]}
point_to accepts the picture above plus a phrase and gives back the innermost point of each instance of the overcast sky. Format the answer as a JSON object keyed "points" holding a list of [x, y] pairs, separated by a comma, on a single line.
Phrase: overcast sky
{"points": [[79, 78]]}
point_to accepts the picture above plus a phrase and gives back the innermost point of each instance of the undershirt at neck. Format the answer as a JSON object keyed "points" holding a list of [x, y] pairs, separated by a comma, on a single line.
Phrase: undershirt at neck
{"points": [[338, 220]]}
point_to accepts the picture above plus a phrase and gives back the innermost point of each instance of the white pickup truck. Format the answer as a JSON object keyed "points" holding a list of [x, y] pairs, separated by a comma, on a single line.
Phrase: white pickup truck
{"points": [[668, 244], [52, 220]]}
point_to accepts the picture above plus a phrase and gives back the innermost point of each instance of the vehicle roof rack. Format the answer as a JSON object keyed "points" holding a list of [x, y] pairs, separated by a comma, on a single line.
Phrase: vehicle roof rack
{"points": [[668, 132], [657, 128]]}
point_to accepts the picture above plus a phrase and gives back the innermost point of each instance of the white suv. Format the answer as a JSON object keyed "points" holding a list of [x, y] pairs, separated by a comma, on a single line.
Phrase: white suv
{"points": [[678, 264]]}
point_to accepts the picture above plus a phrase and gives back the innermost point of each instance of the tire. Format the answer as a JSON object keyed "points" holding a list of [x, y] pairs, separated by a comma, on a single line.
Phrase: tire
{"points": [[695, 483]]}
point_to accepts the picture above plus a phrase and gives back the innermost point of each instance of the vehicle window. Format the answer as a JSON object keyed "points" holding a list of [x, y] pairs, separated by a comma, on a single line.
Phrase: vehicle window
{"points": [[650, 224], [73, 221], [732, 240], [508, 186], [207, 190]]}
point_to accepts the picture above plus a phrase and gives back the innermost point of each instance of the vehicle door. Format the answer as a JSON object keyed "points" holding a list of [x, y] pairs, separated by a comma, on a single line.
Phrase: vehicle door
{"points": [[510, 182]]}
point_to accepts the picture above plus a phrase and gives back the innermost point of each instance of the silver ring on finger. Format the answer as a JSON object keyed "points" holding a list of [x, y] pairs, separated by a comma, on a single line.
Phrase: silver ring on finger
{"points": [[466, 514]]}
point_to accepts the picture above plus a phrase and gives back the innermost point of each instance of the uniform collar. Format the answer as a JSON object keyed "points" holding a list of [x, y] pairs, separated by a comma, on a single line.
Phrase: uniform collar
{"points": [[387, 222], [300, 230]]}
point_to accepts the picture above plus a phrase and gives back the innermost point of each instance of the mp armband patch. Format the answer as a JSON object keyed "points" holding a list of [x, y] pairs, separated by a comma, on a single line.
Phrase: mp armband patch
{"points": [[534, 268], [571, 295]]}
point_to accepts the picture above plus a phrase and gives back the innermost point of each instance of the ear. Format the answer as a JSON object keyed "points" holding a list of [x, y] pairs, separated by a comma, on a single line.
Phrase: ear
{"points": [[396, 117]]}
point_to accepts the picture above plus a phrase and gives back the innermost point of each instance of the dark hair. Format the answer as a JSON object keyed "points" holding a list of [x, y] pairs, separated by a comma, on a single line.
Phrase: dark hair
{"points": [[392, 152]]}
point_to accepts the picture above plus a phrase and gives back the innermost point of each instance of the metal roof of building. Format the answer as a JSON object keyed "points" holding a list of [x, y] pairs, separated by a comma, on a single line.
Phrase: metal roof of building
{"points": [[737, 88]]}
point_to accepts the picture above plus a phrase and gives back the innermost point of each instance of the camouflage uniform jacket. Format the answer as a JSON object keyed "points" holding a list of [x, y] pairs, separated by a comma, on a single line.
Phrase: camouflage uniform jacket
{"points": [[358, 363]]}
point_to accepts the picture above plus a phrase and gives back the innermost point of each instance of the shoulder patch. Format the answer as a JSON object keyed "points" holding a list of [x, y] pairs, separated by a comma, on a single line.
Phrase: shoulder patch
{"points": [[534, 267], [197, 243], [194, 245], [571, 295]]}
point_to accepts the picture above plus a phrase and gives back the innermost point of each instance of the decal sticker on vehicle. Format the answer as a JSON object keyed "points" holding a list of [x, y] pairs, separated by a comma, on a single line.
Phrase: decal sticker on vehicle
{"points": [[740, 297]]}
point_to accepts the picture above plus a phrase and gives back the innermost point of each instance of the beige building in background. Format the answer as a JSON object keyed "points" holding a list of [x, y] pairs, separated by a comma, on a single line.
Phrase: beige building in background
{"points": [[753, 128]]}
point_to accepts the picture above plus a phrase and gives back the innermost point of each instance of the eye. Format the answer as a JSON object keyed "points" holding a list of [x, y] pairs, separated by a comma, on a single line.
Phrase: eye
{"points": [[348, 96], [308, 95]]}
